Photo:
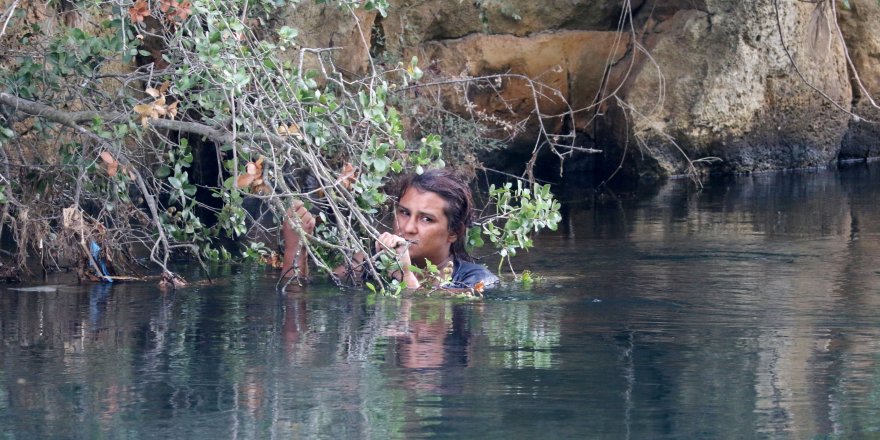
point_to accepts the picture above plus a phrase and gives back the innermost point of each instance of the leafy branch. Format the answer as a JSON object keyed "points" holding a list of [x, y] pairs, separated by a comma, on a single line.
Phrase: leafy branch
{"points": [[199, 79]]}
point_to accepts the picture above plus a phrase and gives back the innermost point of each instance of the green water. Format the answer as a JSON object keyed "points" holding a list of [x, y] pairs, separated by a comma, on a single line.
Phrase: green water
{"points": [[748, 309]]}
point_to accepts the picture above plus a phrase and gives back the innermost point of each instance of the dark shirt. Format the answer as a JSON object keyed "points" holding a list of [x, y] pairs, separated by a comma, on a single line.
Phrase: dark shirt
{"points": [[466, 275]]}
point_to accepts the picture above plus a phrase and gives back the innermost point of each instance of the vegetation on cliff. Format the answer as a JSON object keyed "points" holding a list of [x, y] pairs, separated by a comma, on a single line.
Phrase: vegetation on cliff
{"points": [[106, 115]]}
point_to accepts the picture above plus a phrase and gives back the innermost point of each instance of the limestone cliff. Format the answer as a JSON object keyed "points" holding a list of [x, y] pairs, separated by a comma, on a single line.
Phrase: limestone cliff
{"points": [[859, 24], [759, 85], [756, 86]]}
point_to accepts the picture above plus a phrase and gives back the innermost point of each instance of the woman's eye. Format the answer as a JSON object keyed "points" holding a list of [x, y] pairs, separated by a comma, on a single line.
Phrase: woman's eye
{"points": [[427, 219]]}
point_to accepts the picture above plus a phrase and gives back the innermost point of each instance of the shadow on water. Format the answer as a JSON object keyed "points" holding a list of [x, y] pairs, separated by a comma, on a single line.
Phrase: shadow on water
{"points": [[746, 309]]}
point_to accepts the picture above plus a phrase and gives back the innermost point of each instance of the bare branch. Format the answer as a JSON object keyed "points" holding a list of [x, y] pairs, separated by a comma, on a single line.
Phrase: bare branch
{"points": [[9, 13]]}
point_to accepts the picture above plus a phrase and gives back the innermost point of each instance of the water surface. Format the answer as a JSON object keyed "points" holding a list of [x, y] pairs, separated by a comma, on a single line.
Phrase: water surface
{"points": [[747, 309]]}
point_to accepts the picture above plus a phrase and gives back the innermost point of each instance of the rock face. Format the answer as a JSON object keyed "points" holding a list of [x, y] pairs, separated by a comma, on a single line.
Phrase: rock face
{"points": [[344, 31], [570, 62], [724, 86], [755, 85], [859, 25]]}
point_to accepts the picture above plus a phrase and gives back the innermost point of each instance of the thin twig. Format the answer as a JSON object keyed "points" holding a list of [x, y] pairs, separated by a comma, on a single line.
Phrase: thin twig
{"points": [[798, 70], [9, 15]]}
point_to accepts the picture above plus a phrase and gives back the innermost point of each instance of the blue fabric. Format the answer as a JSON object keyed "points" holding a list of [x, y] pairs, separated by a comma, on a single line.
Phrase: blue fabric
{"points": [[464, 276], [468, 274], [96, 254]]}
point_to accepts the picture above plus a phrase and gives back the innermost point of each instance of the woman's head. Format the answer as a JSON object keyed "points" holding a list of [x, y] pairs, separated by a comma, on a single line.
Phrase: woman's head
{"points": [[458, 207]]}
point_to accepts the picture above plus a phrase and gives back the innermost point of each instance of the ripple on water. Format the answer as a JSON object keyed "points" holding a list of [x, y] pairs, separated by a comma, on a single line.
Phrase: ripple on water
{"points": [[750, 308]]}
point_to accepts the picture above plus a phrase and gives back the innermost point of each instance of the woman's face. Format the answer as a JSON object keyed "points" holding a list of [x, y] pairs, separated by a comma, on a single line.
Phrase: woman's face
{"points": [[420, 218]]}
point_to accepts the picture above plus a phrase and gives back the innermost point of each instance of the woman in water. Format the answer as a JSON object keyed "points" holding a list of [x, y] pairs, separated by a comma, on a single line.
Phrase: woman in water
{"points": [[433, 212]]}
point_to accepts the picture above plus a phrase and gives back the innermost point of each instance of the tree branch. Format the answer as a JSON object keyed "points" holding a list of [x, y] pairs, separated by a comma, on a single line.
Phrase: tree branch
{"points": [[9, 17], [74, 118]]}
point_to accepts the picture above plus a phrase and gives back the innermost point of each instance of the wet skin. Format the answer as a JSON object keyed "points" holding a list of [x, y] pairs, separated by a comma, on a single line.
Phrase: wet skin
{"points": [[420, 220]]}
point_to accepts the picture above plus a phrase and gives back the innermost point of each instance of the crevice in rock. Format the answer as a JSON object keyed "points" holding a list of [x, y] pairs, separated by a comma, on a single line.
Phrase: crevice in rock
{"points": [[525, 37], [377, 38], [68, 12]]}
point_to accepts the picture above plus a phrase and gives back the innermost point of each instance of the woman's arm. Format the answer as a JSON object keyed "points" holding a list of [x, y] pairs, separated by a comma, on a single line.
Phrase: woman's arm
{"points": [[295, 262]]}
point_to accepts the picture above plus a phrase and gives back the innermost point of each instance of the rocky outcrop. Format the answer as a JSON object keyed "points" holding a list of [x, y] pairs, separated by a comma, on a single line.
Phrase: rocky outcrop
{"points": [[755, 85], [721, 84], [859, 24], [343, 32], [569, 62]]}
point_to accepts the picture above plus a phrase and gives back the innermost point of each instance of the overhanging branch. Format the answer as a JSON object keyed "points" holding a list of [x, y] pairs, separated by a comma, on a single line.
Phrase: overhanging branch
{"points": [[73, 119]]}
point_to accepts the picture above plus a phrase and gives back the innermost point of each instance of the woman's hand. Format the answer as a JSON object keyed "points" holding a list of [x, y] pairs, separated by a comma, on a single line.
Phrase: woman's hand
{"points": [[389, 241]]}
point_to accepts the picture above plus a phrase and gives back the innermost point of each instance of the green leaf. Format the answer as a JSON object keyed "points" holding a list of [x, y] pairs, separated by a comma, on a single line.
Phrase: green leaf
{"points": [[175, 182], [287, 34], [381, 164]]}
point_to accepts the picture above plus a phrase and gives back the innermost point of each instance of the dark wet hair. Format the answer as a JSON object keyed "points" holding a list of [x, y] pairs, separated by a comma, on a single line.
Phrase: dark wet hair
{"points": [[459, 208]]}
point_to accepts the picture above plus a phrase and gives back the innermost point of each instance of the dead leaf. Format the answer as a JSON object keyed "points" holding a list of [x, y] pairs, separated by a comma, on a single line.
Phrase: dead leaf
{"points": [[293, 129], [143, 109], [72, 218], [253, 177], [479, 286], [172, 110], [272, 260], [245, 180], [107, 157], [183, 10], [163, 89], [146, 112], [289, 130], [139, 11], [349, 175], [165, 5], [156, 108], [112, 168]]}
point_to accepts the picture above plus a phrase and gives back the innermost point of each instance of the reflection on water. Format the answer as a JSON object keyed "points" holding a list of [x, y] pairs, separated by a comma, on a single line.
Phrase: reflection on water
{"points": [[747, 309]]}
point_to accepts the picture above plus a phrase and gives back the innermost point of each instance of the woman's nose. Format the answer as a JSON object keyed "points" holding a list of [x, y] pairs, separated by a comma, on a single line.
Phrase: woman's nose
{"points": [[409, 226]]}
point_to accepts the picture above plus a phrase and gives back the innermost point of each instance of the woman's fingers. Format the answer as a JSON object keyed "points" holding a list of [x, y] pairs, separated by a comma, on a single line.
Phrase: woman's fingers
{"points": [[306, 218], [382, 244], [390, 241]]}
